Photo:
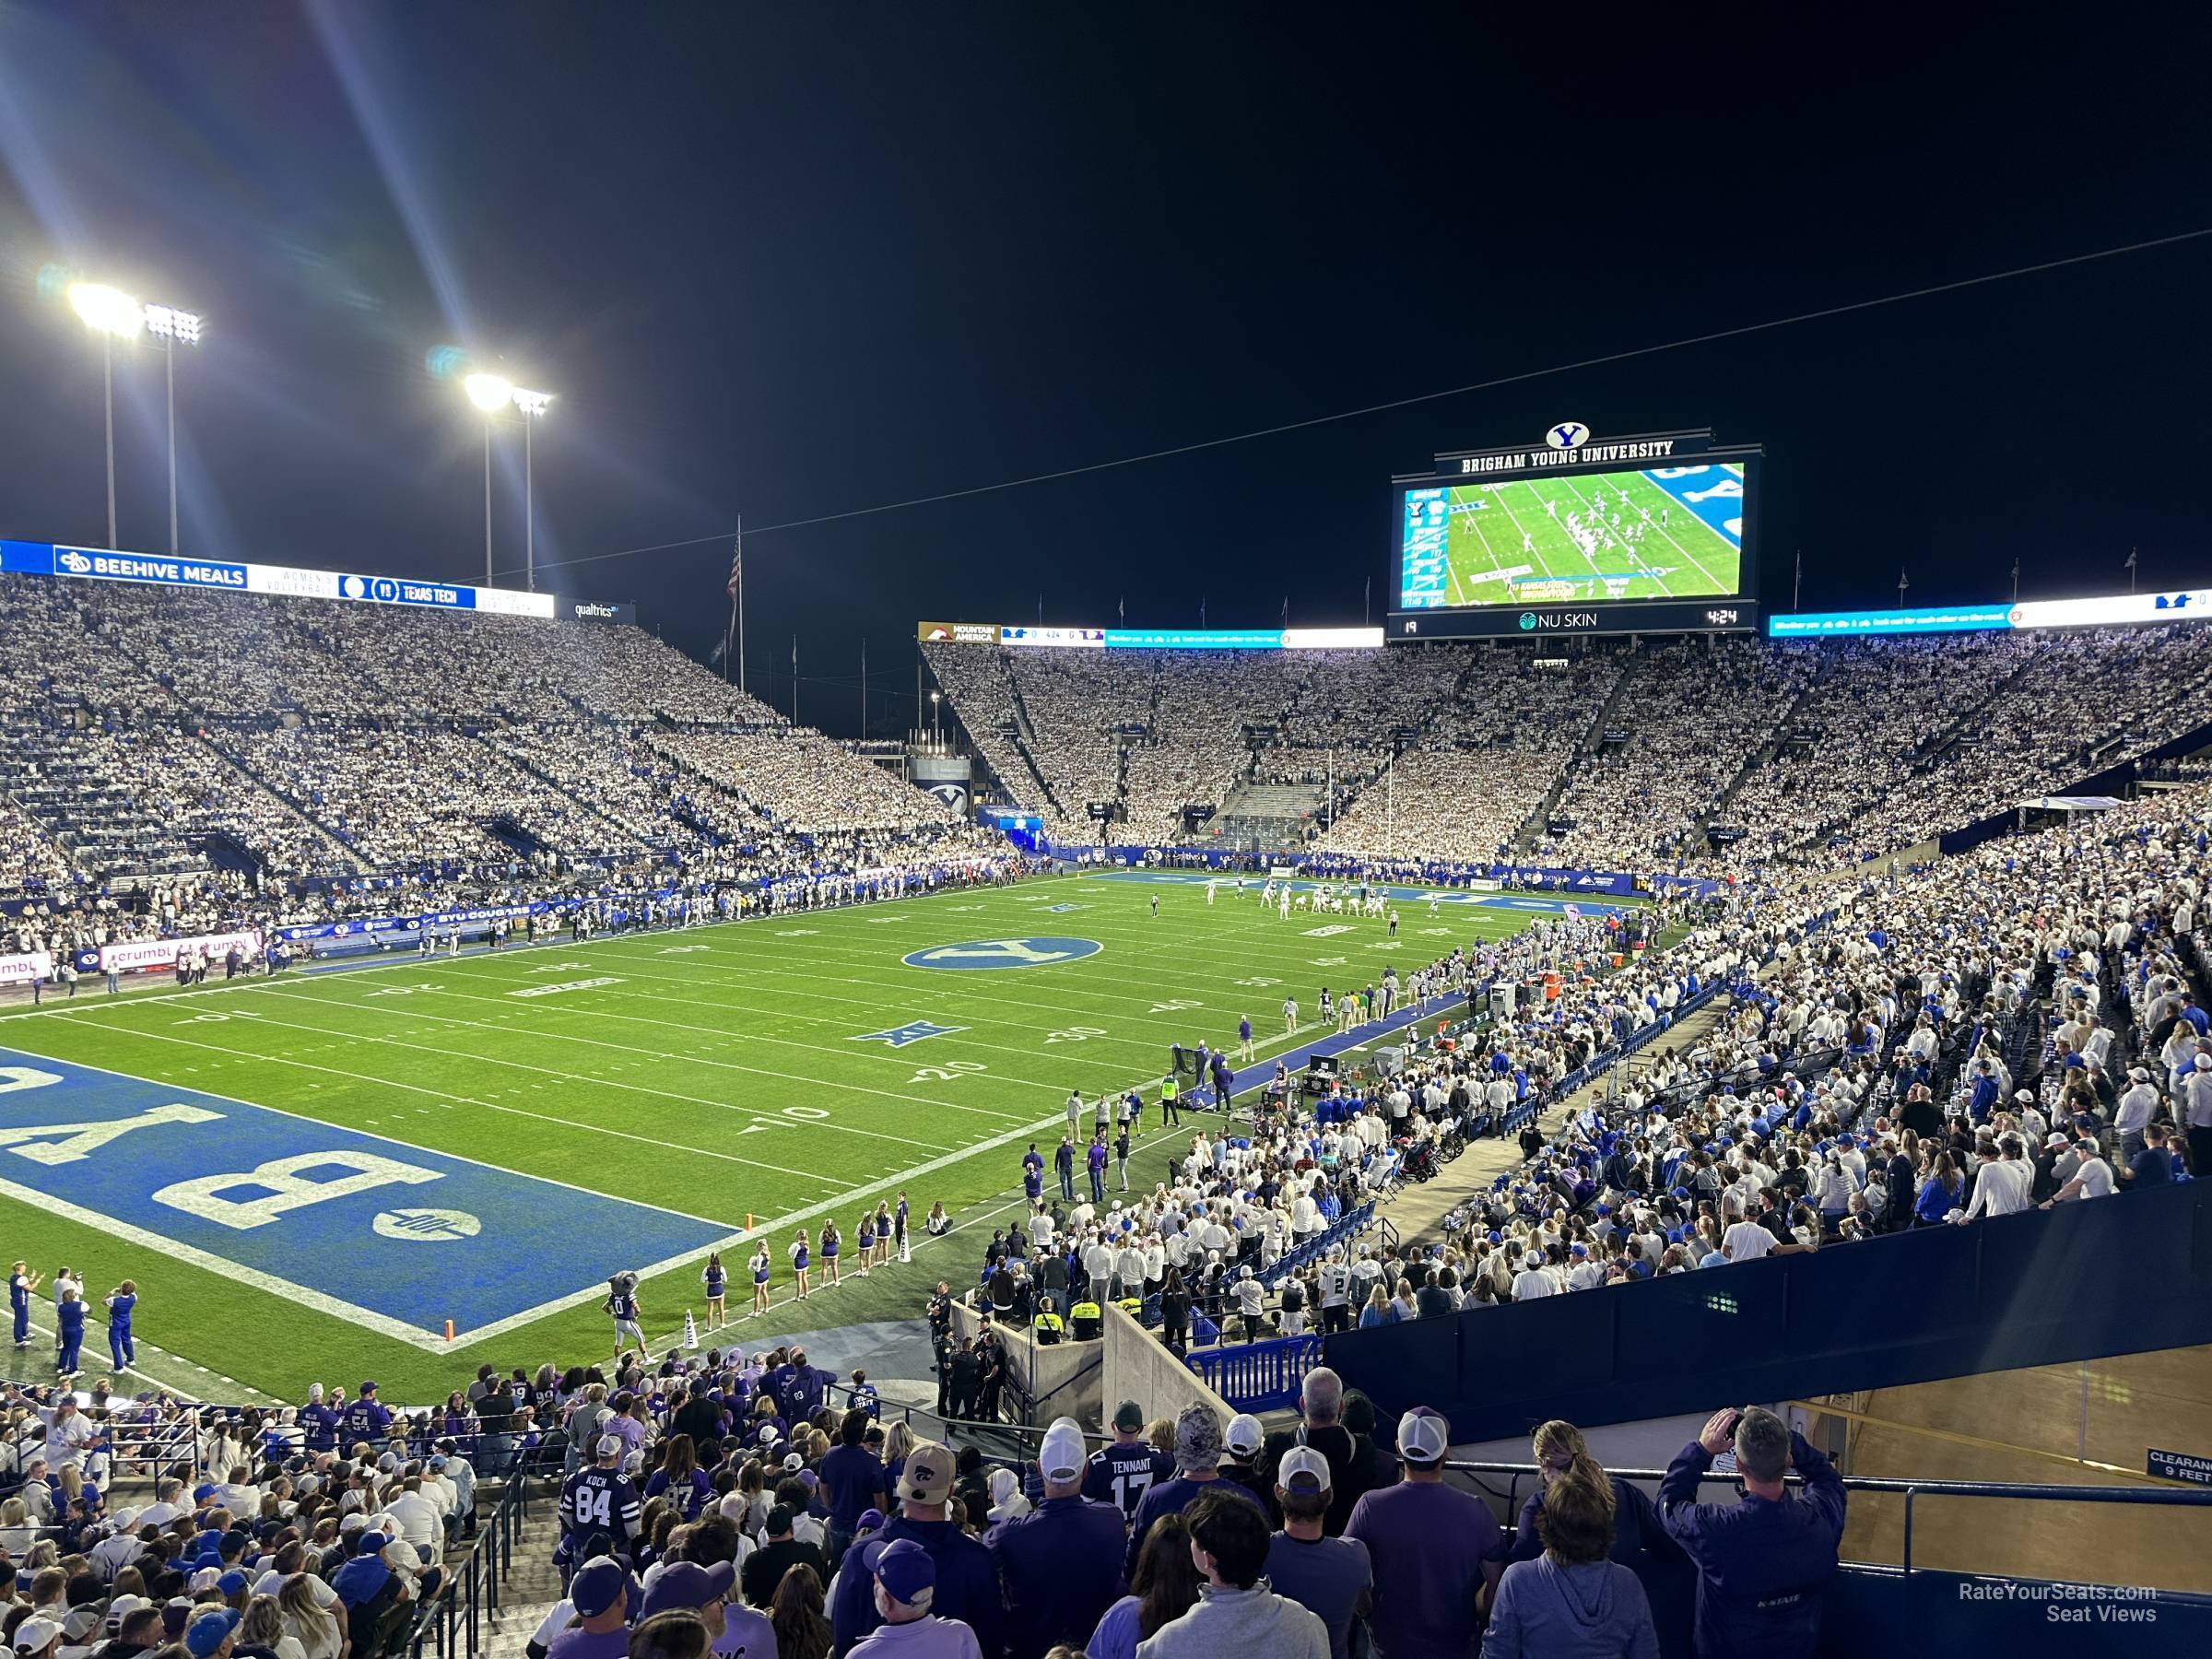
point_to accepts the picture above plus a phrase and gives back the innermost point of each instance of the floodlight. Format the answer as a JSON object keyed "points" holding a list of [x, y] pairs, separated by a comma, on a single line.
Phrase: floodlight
{"points": [[489, 393], [531, 403], [108, 310], [170, 323]]}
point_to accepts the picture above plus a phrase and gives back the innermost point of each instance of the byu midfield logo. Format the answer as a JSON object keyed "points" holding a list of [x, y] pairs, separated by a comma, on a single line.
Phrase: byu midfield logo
{"points": [[980, 954], [1567, 435]]}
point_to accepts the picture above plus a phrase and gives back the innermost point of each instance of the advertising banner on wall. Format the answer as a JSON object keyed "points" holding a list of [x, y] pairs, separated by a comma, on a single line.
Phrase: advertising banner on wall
{"points": [[140, 953]]}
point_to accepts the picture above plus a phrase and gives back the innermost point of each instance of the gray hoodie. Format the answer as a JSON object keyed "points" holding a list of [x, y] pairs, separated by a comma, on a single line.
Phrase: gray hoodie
{"points": [[1588, 1610]]}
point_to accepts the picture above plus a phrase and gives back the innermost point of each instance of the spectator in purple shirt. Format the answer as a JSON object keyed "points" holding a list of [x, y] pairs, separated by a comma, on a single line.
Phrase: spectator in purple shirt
{"points": [[853, 1481], [1430, 1545]]}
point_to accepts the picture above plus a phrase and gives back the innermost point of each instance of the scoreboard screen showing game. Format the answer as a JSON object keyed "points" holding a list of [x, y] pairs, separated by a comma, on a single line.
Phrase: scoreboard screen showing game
{"points": [[1578, 535]]}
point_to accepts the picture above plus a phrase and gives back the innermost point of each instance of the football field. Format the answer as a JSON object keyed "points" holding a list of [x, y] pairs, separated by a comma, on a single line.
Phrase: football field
{"points": [[1619, 535], [310, 1177]]}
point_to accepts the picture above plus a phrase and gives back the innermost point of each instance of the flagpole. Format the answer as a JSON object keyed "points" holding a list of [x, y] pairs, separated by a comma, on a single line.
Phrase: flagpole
{"points": [[863, 687], [741, 602], [794, 679]]}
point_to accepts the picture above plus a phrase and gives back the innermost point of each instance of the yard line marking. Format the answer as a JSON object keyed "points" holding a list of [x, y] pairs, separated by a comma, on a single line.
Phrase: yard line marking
{"points": [[645, 1089], [570, 1077], [379, 1082]]}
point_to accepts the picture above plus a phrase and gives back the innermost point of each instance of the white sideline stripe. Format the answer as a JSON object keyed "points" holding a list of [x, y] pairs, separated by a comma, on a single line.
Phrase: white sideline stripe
{"points": [[133, 1371], [414, 1146], [383, 1324]]}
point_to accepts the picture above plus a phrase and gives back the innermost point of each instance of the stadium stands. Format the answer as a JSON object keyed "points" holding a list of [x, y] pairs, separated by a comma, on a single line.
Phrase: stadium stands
{"points": [[1616, 757]]}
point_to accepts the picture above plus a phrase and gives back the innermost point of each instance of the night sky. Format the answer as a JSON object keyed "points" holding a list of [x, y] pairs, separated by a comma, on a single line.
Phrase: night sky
{"points": [[794, 261]]}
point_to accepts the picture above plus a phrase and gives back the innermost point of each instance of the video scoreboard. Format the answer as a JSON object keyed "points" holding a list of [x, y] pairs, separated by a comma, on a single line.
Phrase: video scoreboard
{"points": [[1653, 532]]}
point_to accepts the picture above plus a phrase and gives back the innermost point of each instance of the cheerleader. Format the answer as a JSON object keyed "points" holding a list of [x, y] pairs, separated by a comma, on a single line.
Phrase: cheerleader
{"points": [[882, 1234], [717, 1283], [865, 1239], [798, 1252], [760, 1278], [833, 1243], [121, 1300]]}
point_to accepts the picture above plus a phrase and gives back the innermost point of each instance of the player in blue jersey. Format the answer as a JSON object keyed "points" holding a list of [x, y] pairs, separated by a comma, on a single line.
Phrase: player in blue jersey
{"points": [[1124, 1469]]}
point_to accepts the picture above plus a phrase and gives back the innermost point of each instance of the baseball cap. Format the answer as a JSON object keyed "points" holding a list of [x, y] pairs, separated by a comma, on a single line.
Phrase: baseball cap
{"points": [[1061, 1456], [610, 1445], [685, 1585], [1129, 1415], [1423, 1436], [928, 1477], [122, 1607], [201, 1493], [1244, 1434], [1303, 1470], [793, 1462], [366, 1388], [907, 1573], [596, 1586], [35, 1635], [1197, 1437], [202, 1636], [232, 1582]]}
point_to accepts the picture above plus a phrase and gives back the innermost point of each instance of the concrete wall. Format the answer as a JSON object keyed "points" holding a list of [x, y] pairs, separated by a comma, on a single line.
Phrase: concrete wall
{"points": [[1042, 1368], [1139, 1367]]}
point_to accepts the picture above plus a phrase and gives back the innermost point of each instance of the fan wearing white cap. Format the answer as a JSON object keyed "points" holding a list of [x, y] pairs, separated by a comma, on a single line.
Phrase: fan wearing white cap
{"points": [[1331, 1578], [1060, 1564], [1432, 1545]]}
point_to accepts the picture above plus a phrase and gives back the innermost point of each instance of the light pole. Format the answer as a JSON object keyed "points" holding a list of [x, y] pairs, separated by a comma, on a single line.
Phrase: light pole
{"points": [[936, 733], [108, 312], [490, 394], [173, 328]]}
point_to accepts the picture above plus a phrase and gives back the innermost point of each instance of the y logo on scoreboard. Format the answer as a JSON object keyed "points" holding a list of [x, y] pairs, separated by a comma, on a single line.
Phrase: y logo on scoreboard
{"points": [[1567, 435], [913, 1030]]}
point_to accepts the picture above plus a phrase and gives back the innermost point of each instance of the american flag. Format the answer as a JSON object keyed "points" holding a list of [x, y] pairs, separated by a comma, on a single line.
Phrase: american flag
{"points": [[737, 572]]}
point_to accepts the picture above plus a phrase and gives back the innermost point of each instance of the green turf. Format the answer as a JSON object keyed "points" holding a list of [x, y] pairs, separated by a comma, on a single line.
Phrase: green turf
{"points": [[1484, 548], [718, 1078]]}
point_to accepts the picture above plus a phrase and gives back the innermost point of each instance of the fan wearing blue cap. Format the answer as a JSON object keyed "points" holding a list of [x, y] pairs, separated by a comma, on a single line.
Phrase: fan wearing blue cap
{"points": [[600, 1595], [906, 1580], [208, 1636]]}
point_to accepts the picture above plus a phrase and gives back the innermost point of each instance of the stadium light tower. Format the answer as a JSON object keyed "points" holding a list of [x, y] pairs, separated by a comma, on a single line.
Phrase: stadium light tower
{"points": [[490, 394], [173, 328], [111, 314]]}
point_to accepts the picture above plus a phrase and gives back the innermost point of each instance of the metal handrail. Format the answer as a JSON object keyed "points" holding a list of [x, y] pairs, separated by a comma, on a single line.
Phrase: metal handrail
{"points": [[2170, 1497]]}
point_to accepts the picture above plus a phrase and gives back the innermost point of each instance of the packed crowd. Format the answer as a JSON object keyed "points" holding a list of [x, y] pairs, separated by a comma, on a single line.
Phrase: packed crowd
{"points": [[2010, 1029], [1615, 757]]}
